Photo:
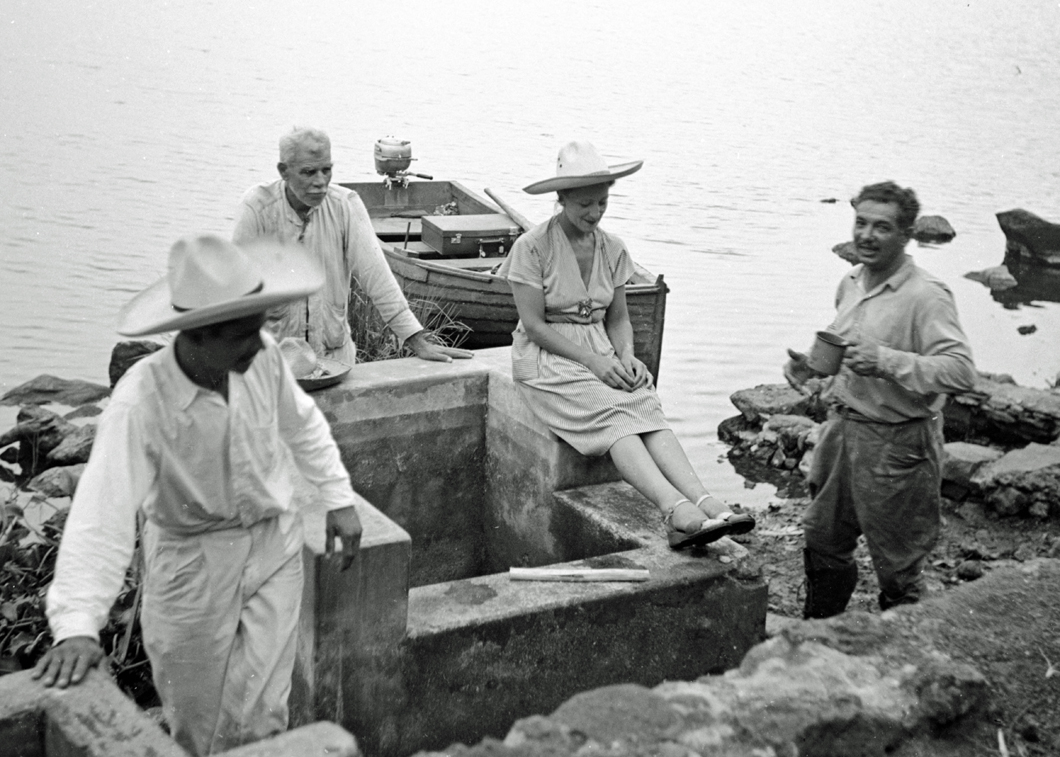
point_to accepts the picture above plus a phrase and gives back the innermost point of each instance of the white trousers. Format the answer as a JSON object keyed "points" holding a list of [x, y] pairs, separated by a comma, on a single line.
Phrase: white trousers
{"points": [[220, 622]]}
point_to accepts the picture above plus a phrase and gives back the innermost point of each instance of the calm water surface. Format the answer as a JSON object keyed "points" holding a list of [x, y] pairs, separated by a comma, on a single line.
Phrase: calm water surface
{"points": [[125, 126]]}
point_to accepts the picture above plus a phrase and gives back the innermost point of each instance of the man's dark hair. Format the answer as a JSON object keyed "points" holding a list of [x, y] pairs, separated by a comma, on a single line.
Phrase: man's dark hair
{"points": [[888, 191]]}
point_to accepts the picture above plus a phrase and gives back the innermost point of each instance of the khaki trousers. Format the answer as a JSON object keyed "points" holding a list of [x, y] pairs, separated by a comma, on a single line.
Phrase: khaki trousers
{"points": [[220, 619], [881, 480]]}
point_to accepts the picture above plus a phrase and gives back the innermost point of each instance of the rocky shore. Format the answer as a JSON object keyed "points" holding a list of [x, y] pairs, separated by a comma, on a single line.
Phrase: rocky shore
{"points": [[967, 669], [1002, 442]]}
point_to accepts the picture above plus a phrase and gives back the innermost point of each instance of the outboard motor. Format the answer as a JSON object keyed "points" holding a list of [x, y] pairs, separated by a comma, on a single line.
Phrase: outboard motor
{"points": [[392, 160]]}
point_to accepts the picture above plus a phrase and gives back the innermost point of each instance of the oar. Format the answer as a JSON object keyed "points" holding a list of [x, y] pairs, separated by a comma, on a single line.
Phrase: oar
{"points": [[514, 214]]}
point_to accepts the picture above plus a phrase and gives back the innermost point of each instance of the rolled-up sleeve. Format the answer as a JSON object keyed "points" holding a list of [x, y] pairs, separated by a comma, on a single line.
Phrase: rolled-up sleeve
{"points": [[100, 533]]}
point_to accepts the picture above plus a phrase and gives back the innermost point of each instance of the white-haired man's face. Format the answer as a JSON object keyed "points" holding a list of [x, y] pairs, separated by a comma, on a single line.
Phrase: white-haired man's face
{"points": [[308, 175]]}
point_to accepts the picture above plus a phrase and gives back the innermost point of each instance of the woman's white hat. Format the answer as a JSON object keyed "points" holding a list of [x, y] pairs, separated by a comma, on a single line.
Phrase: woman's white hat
{"points": [[211, 280], [580, 165]]}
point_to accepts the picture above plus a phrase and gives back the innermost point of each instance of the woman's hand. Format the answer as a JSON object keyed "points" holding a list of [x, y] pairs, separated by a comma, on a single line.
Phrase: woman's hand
{"points": [[611, 371], [638, 370]]}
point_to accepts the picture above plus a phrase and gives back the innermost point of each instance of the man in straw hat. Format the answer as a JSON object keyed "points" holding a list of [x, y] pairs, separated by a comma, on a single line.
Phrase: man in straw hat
{"points": [[201, 437], [876, 468], [332, 224]]}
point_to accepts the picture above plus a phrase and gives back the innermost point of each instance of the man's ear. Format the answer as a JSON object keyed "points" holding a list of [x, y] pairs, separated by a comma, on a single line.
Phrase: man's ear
{"points": [[282, 168]]}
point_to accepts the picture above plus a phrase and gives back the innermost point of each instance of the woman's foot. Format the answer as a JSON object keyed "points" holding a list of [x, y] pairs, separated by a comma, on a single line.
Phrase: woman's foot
{"points": [[686, 527], [717, 513]]}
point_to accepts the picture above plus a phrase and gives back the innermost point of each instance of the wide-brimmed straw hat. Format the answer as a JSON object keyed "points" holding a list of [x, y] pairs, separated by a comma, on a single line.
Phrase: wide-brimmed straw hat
{"points": [[211, 280], [580, 165]]}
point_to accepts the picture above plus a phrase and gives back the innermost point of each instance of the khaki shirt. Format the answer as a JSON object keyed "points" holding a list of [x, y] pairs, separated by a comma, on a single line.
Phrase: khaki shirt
{"points": [[923, 353]]}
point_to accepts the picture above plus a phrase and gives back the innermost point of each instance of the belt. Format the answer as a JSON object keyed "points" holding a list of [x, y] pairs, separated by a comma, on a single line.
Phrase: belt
{"points": [[849, 414]]}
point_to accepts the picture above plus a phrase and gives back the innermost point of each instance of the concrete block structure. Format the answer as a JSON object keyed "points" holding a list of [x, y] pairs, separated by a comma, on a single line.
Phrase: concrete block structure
{"points": [[95, 719], [475, 485]]}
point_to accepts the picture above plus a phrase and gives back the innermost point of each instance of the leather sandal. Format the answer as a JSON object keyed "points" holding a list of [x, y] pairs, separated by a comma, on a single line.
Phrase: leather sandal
{"points": [[709, 530], [735, 523]]}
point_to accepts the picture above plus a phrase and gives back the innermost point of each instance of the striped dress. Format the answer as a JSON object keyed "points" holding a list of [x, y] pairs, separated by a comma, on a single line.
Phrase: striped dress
{"points": [[568, 397]]}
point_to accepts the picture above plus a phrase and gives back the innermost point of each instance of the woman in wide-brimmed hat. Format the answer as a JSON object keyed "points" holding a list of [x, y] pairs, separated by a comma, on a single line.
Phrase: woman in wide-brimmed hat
{"points": [[572, 352]]}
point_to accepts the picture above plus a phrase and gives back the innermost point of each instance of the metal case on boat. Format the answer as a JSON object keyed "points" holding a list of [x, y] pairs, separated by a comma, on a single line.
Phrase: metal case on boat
{"points": [[470, 236]]}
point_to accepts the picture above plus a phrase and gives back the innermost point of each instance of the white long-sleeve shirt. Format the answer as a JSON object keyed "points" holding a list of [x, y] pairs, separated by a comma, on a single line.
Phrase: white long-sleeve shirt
{"points": [[339, 235], [193, 463]]}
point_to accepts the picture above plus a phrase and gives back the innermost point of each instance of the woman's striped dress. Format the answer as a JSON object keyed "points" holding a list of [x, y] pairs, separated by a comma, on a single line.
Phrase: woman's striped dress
{"points": [[564, 394]]}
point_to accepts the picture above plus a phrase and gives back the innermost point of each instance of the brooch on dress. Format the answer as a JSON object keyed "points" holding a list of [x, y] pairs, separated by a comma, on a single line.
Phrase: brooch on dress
{"points": [[585, 308]]}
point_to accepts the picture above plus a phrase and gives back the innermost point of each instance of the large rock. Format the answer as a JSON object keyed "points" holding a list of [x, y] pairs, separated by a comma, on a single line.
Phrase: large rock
{"points": [[1025, 480], [75, 447], [997, 278], [125, 354], [1030, 237], [847, 251], [1004, 413], [38, 432], [935, 678], [46, 389], [962, 460], [765, 400], [57, 482], [933, 230], [825, 689]]}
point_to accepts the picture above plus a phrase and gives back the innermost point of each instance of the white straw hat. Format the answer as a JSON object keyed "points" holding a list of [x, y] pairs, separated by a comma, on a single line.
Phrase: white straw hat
{"points": [[580, 165], [211, 280]]}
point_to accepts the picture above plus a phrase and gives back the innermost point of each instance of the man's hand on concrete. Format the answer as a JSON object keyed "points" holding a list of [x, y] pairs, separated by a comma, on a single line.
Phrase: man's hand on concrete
{"points": [[68, 661], [862, 358], [344, 524], [428, 349], [798, 371]]}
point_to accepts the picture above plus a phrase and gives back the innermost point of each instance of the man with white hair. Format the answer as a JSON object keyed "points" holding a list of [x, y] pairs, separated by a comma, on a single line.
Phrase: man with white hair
{"points": [[200, 438], [332, 223]]}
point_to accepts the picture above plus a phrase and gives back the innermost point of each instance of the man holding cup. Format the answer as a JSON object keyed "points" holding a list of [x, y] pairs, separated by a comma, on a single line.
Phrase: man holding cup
{"points": [[876, 466]]}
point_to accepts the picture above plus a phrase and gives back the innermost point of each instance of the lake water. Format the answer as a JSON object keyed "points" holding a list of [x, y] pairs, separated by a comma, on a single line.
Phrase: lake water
{"points": [[126, 125]]}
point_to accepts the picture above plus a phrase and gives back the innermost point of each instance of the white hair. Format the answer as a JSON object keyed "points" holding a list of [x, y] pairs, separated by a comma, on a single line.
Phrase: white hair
{"points": [[299, 137]]}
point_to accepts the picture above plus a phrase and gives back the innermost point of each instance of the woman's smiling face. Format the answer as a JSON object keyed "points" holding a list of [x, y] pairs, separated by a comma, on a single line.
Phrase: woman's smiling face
{"points": [[583, 207]]}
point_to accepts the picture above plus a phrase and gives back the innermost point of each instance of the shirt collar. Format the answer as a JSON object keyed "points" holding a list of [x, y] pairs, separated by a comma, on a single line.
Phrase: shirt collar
{"points": [[183, 389], [894, 281]]}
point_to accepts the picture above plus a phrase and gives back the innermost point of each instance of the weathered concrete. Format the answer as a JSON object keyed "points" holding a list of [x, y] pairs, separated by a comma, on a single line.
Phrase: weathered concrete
{"points": [[412, 436], [351, 625], [525, 464], [424, 640], [917, 680], [94, 719], [520, 497]]}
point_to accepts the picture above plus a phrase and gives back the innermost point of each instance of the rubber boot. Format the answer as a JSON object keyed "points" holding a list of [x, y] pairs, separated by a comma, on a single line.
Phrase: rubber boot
{"points": [[828, 589]]}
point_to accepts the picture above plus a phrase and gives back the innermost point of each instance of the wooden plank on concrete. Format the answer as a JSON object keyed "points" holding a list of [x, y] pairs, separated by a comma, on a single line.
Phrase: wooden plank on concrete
{"points": [[578, 574]]}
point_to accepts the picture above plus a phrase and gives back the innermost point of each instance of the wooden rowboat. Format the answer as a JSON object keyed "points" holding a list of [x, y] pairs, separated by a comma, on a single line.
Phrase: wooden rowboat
{"points": [[465, 286]]}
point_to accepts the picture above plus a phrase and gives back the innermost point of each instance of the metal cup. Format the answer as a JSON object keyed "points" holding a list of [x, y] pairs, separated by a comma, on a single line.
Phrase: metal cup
{"points": [[826, 355]]}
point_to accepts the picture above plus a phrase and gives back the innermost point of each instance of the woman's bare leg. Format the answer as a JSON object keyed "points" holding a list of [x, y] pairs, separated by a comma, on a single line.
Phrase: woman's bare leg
{"points": [[670, 458], [639, 469]]}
